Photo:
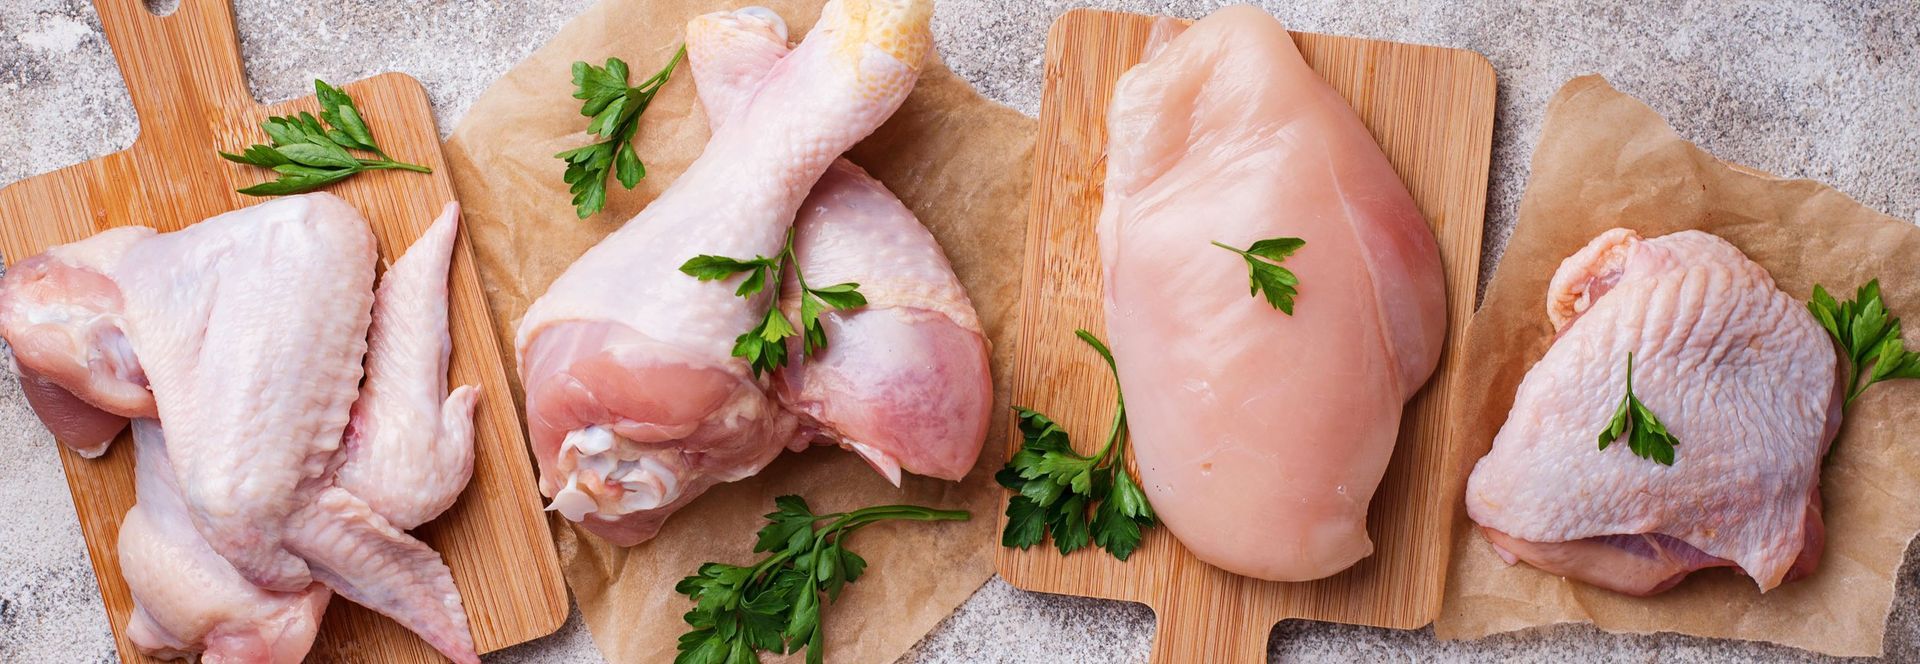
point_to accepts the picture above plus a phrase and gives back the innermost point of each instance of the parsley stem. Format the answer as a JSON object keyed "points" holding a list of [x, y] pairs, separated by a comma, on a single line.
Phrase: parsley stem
{"points": [[903, 512], [659, 78], [1105, 456], [786, 257], [378, 164]]}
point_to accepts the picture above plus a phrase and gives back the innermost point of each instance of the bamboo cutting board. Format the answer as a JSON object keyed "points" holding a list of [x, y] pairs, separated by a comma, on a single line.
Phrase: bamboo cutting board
{"points": [[1431, 109], [184, 74]]}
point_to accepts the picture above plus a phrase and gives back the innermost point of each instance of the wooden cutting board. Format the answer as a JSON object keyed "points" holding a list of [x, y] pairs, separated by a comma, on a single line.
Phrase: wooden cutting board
{"points": [[1432, 111], [184, 74]]}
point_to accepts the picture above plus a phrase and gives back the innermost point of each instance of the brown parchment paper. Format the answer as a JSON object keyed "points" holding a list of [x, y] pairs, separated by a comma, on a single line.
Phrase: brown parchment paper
{"points": [[959, 161], [1607, 160]]}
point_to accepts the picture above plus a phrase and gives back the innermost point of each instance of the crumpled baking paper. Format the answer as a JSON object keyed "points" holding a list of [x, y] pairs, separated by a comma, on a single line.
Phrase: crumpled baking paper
{"points": [[1606, 160], [959, 161]]}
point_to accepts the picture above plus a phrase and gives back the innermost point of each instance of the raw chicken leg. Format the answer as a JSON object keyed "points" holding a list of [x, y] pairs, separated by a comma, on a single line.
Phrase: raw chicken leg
{"points": [[250, 327], [408, 453], [1739, 373], [63, 314], [1260, 436], [187, 599], [635, 404], [904, 382]]}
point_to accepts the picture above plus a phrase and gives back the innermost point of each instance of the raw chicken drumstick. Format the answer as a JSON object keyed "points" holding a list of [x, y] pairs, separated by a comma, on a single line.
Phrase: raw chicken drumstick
{"points": [[1260, 436], [635, 404], [904, 382]]}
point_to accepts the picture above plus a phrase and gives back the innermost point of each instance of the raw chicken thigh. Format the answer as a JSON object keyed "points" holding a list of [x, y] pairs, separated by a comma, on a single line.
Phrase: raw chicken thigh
{"points": [[1260, 436], [1740, 374], [905, 381], [635, 404], [248, 331]]}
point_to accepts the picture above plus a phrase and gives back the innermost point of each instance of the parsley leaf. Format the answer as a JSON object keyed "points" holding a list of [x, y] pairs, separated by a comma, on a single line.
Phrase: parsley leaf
{"points": [[1869, 337], [615, 108], [774, 606], [309, 155], [1646, 436], [1055, 487], [764, 347], [1264, 274]]}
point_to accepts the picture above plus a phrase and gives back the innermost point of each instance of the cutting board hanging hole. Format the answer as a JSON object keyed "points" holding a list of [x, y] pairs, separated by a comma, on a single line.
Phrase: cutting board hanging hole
{"points": [[162, 8]]}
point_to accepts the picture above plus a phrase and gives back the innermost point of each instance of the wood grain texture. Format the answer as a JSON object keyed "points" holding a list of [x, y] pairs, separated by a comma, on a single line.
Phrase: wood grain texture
{"points": [[1431, 109], [184, 74]]}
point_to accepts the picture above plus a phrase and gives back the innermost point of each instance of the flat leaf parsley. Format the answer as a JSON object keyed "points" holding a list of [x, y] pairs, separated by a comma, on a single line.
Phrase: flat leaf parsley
{"points": [[1055, 487], [775, 605]]}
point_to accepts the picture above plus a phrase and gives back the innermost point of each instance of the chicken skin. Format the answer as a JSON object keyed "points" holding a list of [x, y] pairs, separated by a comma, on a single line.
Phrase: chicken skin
{"points": [[1737, 371]]}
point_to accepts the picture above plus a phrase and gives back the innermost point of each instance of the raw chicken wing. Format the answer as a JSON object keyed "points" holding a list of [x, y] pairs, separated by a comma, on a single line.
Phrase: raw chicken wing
{"points": [[409, 446], [250, 327]]}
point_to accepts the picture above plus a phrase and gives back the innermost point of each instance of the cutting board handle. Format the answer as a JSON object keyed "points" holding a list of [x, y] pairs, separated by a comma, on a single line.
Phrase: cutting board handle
{"points": [[180, 67], [1200, 639]]}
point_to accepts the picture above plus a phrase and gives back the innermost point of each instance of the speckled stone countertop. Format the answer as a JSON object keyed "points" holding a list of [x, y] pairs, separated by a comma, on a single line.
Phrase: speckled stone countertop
{"points": [[1823, 90]]}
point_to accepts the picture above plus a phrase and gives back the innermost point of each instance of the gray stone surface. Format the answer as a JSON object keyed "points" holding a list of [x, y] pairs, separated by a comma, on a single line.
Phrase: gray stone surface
{"points": [[1823, 90]]}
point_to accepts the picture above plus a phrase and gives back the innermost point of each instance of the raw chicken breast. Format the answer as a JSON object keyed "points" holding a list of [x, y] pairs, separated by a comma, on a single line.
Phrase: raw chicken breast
{"points": [[250, 327], [1260, 436], [904, 382], [187, 599], [64, 316], [1737, 370], [635, 404]]}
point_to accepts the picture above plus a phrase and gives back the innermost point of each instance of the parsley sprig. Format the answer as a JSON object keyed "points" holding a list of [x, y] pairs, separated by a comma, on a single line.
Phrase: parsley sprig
{"points": [[764, 347], [1055, 486], [1869, 336], [1264, 274], [309, 155], [615, 108], [1646, 436], [775, 605]]}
